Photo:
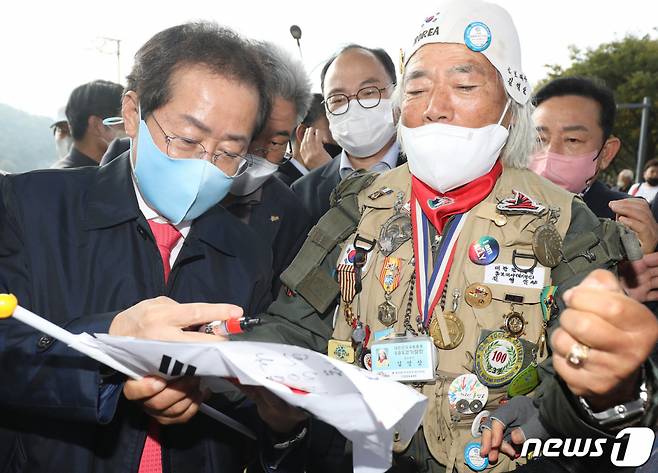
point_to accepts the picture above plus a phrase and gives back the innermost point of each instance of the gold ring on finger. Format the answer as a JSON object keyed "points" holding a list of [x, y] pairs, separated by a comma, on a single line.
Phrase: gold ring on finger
{"points": [[578, 354]]}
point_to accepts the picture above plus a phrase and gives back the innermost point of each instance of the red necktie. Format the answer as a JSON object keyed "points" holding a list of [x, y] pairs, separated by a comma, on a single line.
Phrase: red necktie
{"points": [[166, 237]]}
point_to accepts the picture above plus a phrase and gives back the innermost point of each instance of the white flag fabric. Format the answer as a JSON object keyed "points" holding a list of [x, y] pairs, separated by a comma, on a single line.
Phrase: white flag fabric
{"points": [[365, 408]]}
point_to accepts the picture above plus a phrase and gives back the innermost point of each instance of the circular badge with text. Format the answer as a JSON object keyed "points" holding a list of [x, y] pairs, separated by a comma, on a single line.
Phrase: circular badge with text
{"points": [[473, 459], [477, 36], [484, 250], [498, 358]]}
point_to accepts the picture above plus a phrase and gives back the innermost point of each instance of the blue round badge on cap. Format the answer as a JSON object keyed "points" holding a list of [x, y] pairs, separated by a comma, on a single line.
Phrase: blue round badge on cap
{"points": [[484, 250], [477, 36], [473, 459]]}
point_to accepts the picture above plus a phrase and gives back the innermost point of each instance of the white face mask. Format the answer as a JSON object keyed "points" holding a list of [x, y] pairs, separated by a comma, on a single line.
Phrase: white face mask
{"points": [[254, 177], [63, 146], [447, 156], [363, 131]]}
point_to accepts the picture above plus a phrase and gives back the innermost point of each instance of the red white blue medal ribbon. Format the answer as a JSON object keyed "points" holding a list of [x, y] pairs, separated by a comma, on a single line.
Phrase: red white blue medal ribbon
{"points": [[429, 287]]}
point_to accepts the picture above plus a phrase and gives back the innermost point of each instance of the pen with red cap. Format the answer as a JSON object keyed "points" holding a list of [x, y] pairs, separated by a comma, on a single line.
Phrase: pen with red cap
{"points": [[231, 326]]}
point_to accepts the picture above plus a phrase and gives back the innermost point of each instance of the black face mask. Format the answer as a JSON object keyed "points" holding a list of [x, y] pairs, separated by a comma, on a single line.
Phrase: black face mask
{"points": [[332, 149], [652, 181]]}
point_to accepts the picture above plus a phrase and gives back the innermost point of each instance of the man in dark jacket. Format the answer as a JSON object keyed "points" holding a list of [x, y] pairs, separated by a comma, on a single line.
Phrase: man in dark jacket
{"points": [[257, 197], [88, 105], [311, 143], [139, 249]]}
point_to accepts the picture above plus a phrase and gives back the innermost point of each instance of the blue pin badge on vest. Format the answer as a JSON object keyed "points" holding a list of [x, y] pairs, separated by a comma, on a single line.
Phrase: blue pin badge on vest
{"points": [[484, 250], [473, 459]]}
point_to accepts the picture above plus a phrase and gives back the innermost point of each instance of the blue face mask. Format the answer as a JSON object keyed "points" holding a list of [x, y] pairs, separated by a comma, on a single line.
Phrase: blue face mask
{"points": [[178, 189]]}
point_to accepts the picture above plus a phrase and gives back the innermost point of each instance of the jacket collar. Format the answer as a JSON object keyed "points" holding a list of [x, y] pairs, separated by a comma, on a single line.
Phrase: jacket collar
{"points": [[216, 228], [111, 198]]}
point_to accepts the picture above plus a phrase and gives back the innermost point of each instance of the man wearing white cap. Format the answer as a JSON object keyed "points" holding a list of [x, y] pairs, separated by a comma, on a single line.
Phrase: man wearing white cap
{"points": [[452, 263], [62, 134]]}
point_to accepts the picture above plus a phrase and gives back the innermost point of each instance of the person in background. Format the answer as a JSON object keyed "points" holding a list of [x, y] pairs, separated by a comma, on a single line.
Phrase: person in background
{"points": [[312, 144], [88, 105], [257, 197], [62, 134], [649, 188], [357, 84], [624, 180], [574, 118]]}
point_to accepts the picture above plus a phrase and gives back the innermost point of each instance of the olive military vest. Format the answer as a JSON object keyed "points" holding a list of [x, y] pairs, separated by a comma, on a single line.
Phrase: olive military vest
{"points": [[445, 433]]}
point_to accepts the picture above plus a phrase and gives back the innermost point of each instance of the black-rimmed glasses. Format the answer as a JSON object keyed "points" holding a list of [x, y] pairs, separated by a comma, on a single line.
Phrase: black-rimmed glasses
{"points": [[367, 97]]}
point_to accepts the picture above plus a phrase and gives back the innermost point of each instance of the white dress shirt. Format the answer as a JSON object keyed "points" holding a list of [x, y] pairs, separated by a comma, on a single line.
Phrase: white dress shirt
{"points": [[388, 161]]}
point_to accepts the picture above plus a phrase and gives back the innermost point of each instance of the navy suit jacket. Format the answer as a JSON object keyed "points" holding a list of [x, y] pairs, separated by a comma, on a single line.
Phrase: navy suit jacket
{"points": [[75, 249], [277, 216], [315, 188], [288, 173], [598, 196]]}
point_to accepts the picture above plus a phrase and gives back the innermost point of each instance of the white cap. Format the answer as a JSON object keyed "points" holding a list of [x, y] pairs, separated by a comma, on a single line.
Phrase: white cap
{"points": [[483, 27], [60, 117]]}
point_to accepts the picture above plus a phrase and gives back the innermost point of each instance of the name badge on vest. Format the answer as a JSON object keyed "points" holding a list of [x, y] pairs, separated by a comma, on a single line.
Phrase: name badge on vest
{"points": [[509, 275], [405, 359]]}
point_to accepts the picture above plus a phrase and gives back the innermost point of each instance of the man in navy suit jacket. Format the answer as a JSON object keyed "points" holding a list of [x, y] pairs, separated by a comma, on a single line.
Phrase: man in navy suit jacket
{"points": [[82, 249]]}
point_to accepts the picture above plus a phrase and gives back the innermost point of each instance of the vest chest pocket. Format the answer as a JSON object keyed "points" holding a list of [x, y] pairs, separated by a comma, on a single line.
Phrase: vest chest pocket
{"points": [[502, 297]]}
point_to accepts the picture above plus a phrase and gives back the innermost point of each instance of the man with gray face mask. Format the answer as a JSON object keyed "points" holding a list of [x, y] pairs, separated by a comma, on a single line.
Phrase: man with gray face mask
{"points": [[257, 197], [357, 84]]}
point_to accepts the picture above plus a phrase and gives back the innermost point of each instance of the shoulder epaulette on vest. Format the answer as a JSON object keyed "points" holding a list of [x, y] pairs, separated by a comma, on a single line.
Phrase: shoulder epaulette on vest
{"points": [[304, 275]]}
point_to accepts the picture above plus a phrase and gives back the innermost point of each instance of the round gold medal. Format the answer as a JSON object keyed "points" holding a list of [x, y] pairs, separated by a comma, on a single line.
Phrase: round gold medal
{"points": [[547, 245], [478, 296], [500, 220], [455, 328]]}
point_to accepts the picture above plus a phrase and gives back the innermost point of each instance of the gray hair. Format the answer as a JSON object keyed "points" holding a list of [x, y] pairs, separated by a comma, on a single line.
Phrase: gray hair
{"points": [[286, 77], [522, 137]]}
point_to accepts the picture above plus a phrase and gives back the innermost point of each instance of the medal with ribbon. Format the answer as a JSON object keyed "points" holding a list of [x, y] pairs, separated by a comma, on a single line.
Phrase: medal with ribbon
{"points": [[347, 283], [429, 287], [389, 278]]}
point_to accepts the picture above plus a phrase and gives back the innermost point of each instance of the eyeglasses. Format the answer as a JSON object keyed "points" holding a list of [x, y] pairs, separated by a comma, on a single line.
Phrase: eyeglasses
{"points": [[368, 97], [273, 147], [185, 148]]}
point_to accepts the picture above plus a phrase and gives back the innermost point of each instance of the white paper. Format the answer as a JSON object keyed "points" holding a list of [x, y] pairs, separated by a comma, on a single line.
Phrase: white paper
{"points": [[355, 401], [364, 407]]}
